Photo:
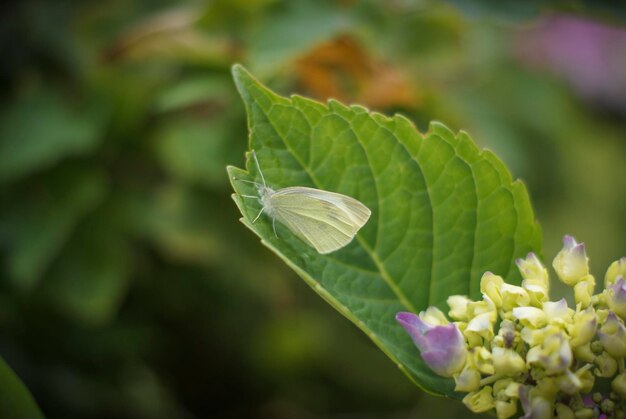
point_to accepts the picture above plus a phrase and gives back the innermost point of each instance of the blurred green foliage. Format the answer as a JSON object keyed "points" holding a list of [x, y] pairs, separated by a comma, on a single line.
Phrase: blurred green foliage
{"points": [[130, 290]]}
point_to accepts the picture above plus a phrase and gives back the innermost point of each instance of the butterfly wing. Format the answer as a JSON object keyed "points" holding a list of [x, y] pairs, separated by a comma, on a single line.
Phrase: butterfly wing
{"points": [[325, 220]]}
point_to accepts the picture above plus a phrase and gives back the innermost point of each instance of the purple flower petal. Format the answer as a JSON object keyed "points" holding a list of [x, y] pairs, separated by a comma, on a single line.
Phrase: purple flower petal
{"points": [[442, 347]]}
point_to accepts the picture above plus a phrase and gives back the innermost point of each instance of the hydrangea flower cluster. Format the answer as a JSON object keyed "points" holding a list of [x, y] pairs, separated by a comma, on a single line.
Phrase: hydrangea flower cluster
{"points": [[515, 347]]}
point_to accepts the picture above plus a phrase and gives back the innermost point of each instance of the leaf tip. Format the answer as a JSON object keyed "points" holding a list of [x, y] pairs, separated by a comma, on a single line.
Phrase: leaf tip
{"points": [[237, 70], [242, 77]]}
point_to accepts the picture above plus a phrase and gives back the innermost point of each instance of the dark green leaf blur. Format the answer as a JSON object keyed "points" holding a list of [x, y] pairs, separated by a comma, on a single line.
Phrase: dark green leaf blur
{"points": [[128, 288]]}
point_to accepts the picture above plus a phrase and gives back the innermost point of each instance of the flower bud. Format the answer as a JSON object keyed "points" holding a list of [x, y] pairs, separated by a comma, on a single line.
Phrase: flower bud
{"points": [[490, 286], [442, 346], [506, 409], [571, 263], [532, 336], [434, 316], [554, 354], [532, 316], [558, 312], [513, 296], [536, 407], [458, 307], [583, 291], [587, 379], [505, 388], [482, 359], [547, 388], [507, 362], [467, 380], [617, 269], [564, 412], [607, 365], [612, 335], [618, 385], [479, 401], [616, 297], [583, 329], [508, 336], [535, 278], [569, 383], [480, 326], [583, 353]]}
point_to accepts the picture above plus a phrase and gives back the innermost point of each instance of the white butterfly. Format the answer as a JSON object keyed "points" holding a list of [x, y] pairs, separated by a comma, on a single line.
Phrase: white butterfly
{"points": [[324, 220]]}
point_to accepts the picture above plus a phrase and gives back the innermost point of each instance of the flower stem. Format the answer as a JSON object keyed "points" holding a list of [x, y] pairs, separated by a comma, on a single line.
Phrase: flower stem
{"points": [[490, 379]]}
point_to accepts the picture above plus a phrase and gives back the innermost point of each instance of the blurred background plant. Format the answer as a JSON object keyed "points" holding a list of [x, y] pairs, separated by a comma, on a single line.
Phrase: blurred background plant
{"points": [[130, 290]]}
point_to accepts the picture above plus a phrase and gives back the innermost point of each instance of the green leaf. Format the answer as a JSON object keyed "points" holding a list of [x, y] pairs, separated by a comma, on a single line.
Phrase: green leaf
{"points": [[41, 128], [193, 92], [15, 400], [91, 276], [196, 150], [294, 30], [38, 224], [443, 212]]}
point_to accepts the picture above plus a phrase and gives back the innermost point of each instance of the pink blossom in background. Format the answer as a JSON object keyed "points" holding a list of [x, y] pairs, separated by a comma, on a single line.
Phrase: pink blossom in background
{"points": [[589, 55]]}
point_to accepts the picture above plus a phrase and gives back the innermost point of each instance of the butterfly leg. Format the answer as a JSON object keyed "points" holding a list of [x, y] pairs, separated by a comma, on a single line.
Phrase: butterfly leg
{"points": [[249, 196], [274, 226], [258, 215], [247, 181]]}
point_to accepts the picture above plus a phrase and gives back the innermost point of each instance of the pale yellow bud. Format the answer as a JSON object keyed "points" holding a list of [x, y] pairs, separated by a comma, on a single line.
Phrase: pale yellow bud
{"points": [[583, 329], [482, 359], [617, 268], [535, 279], [532, 336], [541, 408], [584, 353], [607, 365], [475, 308], [530, 316], [618, 385], [554, 354], [558, 312], [500, 386], [458, 307], [508, 336], [512, 390], [490, 286], [467, 380], [587, 379], [615, 296], [564, 412], [547, 388], [507, 362], [571, 263], [433, 316], [506, 409], [481, 325], [612, 335], [583, 291], [513, 296], [473, 339], [585, 413], [531, 268], [480, 401], [569, 383]]}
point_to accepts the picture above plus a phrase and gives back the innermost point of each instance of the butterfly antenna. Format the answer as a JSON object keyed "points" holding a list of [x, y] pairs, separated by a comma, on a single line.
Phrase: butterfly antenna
{"points": [[258, 166]]}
